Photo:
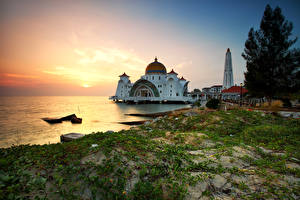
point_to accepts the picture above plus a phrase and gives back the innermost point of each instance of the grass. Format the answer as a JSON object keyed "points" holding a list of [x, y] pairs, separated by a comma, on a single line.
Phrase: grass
{"points": [[154, 161]]}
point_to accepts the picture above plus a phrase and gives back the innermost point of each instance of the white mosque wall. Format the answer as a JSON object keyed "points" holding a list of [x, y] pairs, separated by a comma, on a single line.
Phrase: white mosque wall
{"points": [[123, 88], [169, 86]]}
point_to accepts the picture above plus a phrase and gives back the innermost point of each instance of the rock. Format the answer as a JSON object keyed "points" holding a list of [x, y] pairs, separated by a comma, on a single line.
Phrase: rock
{"points": [[239, 179], [198, 152], [254, 180], [289, 114], [278, 154], [200, 160], [133, 122], [147, 123], [52, 120], [204, 198], [156, 119], [195, 192], [218, 181], [292, 166], [73, 118], [68, 117], [241, 152], [230, 162], [76, 120], [291, 179], [96, 158], [208, 143], [70, 136], [295, 159], [162, 140], [131, 182], [266, 151], [109, 131], [190, 114], [226, 175], [223, 197]]}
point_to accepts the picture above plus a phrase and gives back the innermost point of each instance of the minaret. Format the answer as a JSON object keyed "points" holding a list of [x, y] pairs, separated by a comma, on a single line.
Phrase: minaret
{"points": [[228, 76]]}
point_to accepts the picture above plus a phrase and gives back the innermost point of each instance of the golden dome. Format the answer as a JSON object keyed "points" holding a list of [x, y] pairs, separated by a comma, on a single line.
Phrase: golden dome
{"points": [[156, 68]]}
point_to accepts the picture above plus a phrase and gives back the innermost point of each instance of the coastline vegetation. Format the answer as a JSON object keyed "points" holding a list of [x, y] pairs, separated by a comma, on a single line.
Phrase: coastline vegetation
{"points": [[193, 154]]}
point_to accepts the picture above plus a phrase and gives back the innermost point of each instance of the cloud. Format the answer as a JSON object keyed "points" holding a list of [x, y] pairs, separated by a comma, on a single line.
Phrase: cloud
{"points": [[77, 74], [10, 79], [23, 76], [114, 56], [183, 64], [97, 66]]}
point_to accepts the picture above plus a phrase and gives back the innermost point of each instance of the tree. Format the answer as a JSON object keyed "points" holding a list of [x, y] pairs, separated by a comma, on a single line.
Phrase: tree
{"points": [[213, 103], [196, 90], [272, 66]]}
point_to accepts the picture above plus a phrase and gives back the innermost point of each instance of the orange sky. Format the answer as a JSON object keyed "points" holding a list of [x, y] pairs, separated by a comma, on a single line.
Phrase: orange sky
{"points": [[81, 47]]}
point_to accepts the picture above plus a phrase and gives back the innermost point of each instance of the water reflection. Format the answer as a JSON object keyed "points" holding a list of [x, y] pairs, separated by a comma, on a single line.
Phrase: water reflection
{"points": [[20, 117]]}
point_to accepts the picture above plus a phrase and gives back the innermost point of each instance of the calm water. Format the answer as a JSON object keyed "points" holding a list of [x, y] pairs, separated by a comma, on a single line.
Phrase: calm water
{"points": [[20, 117]]}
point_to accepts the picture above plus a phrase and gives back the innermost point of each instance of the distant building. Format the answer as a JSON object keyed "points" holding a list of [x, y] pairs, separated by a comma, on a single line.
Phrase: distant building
{"points": [[215, 90], [155, 86], [196, 94], [206, 89], [228, 75], [233, 93], [212, 92]]}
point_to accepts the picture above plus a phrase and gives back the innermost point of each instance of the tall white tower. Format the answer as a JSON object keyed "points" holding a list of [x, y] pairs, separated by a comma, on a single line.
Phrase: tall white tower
{"points": [[228, 75]]}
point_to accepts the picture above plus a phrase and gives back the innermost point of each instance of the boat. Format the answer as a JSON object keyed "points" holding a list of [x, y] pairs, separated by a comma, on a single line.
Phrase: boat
{"points": [[52, 120]]}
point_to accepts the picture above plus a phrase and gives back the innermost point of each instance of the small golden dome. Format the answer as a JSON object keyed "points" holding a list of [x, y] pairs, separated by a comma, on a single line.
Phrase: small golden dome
{"points": [[156, 68]]}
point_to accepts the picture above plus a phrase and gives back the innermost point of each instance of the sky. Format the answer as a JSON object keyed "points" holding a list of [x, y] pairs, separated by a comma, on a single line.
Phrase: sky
{"points": [[68, 47]]}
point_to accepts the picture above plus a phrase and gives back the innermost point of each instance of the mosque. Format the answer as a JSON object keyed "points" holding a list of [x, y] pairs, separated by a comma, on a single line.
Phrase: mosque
{"points": [[156, 86]]}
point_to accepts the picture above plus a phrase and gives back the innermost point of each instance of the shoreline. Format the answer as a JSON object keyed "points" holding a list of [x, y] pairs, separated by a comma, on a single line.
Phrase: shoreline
{"points": [[192, 153]]}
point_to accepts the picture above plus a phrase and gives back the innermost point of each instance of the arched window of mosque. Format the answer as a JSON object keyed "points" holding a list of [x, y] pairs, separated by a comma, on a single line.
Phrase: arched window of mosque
{"points": [[159, 78], [160, 91], [170, 95], [171, 91], [171, 86], [152, 77], [177, 94]]}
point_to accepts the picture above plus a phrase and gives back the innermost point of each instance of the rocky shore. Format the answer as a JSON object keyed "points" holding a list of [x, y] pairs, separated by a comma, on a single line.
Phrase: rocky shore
{"points": [[187, 154]]}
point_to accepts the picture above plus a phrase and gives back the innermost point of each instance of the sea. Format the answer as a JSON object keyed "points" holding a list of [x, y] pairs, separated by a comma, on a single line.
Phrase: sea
{"points": [[21, 117]]}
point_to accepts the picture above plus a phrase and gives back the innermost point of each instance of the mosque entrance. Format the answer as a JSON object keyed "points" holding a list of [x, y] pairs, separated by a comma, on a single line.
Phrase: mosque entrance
{"points": [[144, 88], [143, 92]]}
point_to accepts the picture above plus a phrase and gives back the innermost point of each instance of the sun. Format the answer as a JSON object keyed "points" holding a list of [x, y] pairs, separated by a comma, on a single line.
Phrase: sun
{"points": [[86, 85]]}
